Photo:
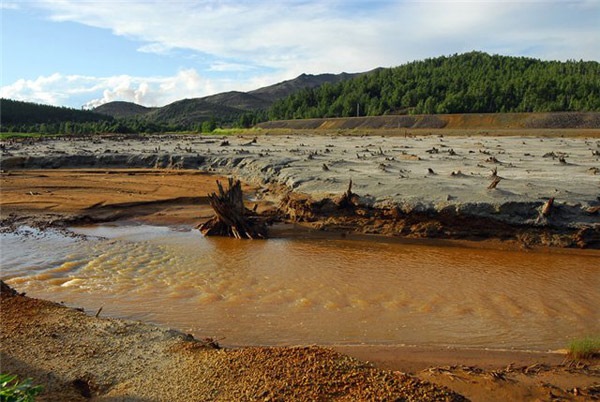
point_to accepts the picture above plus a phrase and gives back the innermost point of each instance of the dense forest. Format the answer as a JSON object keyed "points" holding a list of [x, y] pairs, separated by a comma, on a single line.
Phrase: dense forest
{"points": [[26, 117], [468, 83]]}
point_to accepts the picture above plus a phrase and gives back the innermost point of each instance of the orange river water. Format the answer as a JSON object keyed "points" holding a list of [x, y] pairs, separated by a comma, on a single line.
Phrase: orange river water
{"points": [[312, 290]]}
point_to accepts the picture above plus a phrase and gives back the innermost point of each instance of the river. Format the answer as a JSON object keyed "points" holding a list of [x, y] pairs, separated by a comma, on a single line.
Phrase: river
{"points": [[312, 290]]}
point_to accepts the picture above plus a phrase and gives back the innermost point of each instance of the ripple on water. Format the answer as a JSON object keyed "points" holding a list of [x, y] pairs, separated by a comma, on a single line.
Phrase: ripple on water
{"points": [[315, 291]]}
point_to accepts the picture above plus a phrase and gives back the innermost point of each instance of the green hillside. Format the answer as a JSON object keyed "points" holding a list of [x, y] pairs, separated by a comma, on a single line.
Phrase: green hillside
{"points": [[468, 83], [121, 109], [27, 117], [14, 112]]}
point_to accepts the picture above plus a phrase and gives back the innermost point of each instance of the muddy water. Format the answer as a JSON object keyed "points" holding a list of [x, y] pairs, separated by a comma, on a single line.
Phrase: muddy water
{"points": [[304, 291]]}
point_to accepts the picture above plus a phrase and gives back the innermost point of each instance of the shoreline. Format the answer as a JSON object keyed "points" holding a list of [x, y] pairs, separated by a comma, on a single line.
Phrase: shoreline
{"points": [[69, 366], [56, 198], [112, 196]]}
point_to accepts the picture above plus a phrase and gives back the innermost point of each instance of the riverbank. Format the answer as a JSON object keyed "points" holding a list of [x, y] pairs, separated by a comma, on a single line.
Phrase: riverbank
{"points": [[166, 183], [57, 198], [120, 360], [532, 190], [124, 360]]}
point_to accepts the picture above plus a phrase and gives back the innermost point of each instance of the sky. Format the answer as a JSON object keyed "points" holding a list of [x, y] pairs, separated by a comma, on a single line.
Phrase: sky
{"points": [[83, 53]]}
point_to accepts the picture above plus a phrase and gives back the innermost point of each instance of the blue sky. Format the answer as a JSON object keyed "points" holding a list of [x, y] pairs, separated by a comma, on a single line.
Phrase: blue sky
{"points": [[87, 52]]}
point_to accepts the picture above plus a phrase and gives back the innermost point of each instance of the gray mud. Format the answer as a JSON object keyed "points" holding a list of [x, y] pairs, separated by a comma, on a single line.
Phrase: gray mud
{"points": [[413, 175]]}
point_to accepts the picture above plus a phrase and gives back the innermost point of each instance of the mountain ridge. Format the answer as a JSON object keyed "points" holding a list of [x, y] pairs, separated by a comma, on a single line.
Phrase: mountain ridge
{"points": [[232, 102], [474, 82]]}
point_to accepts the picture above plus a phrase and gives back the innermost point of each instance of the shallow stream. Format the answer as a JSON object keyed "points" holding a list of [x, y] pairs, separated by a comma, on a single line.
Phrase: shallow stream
{"points": [[312, 290]]}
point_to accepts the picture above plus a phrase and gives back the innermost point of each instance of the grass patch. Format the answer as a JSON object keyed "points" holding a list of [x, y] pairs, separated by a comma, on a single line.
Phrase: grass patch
{"points": [[234, 131], [13, 390], [4, 136], [584, 348]]}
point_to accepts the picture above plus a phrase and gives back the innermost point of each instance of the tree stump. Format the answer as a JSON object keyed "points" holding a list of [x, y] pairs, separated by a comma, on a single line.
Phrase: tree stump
{"points": [[231, 218], [348, 199]]}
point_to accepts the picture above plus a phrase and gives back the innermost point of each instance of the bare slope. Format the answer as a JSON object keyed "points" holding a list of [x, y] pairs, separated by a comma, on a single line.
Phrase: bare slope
{"points": [[490, 121]]}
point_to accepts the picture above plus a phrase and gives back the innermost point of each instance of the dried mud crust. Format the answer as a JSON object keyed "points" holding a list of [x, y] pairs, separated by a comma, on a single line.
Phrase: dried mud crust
{"points": [[416, 186], [77, 357]]}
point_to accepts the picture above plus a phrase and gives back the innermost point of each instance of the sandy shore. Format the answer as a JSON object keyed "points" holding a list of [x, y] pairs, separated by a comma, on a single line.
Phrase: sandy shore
{"points": [[399, 181], [60, 197], [121, 360]]}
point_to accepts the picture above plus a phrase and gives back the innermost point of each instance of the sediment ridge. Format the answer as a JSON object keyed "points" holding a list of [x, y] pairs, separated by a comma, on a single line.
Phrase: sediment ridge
{"points": [[533, 190]]}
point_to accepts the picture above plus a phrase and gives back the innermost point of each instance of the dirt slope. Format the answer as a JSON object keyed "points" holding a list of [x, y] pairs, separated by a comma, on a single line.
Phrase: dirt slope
{"points": [[490, 121]]}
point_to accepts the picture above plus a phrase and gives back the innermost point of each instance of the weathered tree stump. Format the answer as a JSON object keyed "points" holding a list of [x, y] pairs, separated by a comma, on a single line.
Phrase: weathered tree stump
{"points": [[494, 182], [547, 208], [231, 218], [348, 199]]}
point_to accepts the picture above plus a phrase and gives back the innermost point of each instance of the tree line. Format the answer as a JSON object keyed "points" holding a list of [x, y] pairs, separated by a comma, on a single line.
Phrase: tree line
{"points": [[468, 83], [27, 117], [473, 82]]}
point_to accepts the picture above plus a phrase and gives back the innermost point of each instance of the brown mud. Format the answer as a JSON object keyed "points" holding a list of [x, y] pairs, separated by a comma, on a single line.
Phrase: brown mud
{"points": [[345, 216], [59, 198]]}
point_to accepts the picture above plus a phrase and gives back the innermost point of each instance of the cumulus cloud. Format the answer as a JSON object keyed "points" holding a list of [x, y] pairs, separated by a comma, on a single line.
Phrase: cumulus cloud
{"points": [[56, 89], [291, 37]]}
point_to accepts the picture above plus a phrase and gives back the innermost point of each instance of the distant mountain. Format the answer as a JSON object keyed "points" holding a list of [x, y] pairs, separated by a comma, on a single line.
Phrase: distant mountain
{"points": [[238, 100], [224, 105], [187, 113], [283, 89], [120, 109], [467, 83]]}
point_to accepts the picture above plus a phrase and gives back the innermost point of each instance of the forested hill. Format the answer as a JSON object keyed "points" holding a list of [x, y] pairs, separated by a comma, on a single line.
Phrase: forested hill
{"points": [[468, 83], [27, 117], [14, 112]]}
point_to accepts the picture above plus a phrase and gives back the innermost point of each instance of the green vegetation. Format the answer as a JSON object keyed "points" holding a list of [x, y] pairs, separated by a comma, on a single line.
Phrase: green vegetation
{"points": [[11, 390], [469, 83], [584, 348], [23, 135], [26, 117]]}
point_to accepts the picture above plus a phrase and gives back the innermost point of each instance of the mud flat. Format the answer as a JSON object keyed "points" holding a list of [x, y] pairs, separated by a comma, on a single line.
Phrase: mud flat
{"points": [[531, 189]]}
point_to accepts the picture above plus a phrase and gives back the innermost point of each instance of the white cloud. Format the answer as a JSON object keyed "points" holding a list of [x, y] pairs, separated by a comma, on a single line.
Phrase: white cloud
{"points": [[222, 66], [291, 37], [8, 5], [56, 89], [157, 48], [327, 36]]}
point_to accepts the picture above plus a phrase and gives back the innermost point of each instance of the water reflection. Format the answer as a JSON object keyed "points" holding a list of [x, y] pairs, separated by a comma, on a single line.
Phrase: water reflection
{"points": [[314, 290]]}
